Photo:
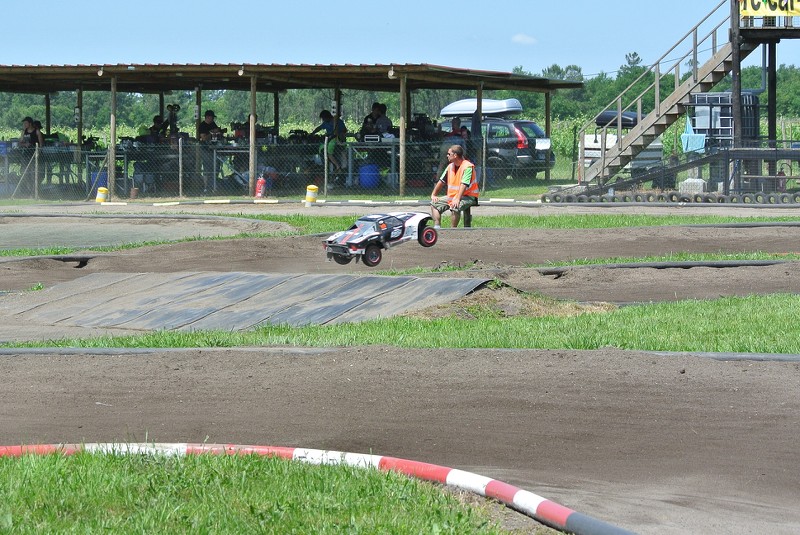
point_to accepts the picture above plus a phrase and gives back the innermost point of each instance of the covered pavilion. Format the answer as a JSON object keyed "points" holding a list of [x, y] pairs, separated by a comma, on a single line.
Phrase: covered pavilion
{"points": [[265, 78]]}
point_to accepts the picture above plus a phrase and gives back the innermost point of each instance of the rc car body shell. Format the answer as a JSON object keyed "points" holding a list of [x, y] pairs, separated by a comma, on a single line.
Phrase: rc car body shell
{"points": [[374, 233]]}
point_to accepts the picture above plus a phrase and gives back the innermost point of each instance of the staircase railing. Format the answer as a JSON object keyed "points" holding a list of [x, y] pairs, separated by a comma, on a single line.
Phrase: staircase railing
{"points": [[708, 43]]}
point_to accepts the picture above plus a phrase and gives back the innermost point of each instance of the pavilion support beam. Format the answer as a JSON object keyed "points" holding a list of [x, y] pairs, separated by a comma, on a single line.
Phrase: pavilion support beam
{"points": [[403, 125], [112, 146], [47, 113], [548, 126], [78, 111], [253, 154], [276, 112], [772, 103], [736, 78]]}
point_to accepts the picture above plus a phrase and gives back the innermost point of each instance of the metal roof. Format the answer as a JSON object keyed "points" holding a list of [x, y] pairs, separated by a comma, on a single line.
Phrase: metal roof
{"points": [[156, 78]]}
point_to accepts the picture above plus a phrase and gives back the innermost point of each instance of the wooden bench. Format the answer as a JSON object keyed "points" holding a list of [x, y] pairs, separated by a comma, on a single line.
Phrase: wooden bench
{"points": [[466, 216]]}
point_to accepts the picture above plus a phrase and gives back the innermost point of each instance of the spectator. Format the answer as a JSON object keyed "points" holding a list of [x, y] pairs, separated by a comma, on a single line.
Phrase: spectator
{"points": [[368, 124], [207, 132], [462, 188], [383, 124], [336, 134], [31, 136], [159, 127], [208, 128]]}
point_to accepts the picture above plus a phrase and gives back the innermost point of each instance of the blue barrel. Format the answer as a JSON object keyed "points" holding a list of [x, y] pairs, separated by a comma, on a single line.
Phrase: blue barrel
{"points": [[99, 180], [369, 176]]}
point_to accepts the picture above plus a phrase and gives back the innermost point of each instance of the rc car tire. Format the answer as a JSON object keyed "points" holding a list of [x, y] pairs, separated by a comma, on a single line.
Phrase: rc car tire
{"points": [[342, 259], [372, 256], [428, 237]]}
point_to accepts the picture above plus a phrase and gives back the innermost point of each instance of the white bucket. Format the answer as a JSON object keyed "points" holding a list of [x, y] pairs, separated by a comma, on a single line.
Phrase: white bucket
{"points": [[102, 195], [311, 195]]}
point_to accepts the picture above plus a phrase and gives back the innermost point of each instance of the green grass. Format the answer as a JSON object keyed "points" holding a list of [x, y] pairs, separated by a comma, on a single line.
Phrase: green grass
{"points": [[91, 493], [746, 324]]}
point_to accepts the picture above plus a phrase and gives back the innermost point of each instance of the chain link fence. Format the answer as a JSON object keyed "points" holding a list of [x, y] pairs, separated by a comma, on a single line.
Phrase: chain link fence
{"points": [[179, 166]]}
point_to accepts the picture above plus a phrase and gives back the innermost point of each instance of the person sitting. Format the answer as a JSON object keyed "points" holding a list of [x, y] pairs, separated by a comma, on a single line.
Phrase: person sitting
{"points": [[383, 125], [159, 126], [368, 124], [462, 188], [208, 128], [31, 136], [336, 134]]}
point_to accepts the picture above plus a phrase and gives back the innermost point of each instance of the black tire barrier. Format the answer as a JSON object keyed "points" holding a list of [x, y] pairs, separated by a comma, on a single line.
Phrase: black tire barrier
{"points": [[606, 198], [735, 199], [569, 197], [650, 197], [748, 198], [627, 197], [582, 198], [617, 198], [697, 197], [772, 198], [759, 197], [594, 198], [662, 197], [546, 198], [796, 198], [684, 198], [722, 199], [709, 197], [557, 197], [786, 198], [638, 197], [673, 196]]}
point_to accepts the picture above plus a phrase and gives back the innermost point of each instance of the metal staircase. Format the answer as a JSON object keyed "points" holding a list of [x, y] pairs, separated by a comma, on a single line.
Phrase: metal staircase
{"points": [[622, 145]]}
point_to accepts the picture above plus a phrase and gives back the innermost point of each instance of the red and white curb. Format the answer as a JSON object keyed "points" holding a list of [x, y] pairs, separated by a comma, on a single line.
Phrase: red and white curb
{"points": [[541, 509]]}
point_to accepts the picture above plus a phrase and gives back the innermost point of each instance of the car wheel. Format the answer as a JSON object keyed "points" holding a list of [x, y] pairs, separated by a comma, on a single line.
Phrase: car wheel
{"points": [[498, 168], [372, 256], [428, 237], [342, 259]]}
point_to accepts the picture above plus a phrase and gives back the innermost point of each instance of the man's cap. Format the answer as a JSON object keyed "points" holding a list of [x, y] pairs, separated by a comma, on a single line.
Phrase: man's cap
{"points": [[211, 113]]}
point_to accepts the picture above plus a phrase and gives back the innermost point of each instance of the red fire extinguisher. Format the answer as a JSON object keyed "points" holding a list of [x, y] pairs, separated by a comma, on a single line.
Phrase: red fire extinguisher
{"points": [[261, 186]]}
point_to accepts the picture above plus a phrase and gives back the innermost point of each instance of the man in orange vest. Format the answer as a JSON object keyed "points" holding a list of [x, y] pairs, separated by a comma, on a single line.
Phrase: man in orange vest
{"points": [[462, 188]]}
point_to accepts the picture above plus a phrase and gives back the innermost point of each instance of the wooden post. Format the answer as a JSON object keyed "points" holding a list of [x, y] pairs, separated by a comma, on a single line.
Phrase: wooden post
{"points": [[548, 127], [78, 156], [275, 113], [736, 80], [253, 154], [112, 145], [47, 113], [403, 125]]}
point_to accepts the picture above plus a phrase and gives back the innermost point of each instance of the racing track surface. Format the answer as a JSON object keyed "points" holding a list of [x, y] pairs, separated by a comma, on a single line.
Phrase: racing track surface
{"points": [[654, 443]]}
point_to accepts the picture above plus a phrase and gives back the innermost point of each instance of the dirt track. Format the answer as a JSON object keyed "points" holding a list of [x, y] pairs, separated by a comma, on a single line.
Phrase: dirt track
{"points": [[656, 444]]}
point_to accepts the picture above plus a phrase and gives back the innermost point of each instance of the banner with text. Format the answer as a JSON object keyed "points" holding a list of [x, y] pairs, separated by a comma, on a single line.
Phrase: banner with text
{"points": [[769, 8]]}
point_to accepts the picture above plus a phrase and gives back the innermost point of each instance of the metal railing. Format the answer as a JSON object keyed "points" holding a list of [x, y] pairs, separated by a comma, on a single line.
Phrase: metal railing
{"points": [[643, 101]]}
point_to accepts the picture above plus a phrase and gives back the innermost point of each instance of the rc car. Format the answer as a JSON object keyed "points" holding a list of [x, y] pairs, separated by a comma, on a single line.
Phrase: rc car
{"points": [[373, 233]]}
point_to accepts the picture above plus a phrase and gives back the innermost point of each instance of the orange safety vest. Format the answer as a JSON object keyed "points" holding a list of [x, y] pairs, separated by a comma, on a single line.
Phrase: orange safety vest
{"points": [[454, 177]]}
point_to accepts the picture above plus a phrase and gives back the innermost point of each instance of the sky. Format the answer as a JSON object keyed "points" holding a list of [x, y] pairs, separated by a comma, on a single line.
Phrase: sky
{"points": [[489, 35]]}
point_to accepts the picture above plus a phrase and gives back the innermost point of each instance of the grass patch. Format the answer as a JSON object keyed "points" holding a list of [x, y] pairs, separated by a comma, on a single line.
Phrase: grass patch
{"points": [[737, 324], [90, 493]]}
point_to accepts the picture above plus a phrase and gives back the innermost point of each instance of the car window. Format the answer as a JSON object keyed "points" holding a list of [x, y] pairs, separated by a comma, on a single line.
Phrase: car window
{"points": [[531, 129], [392, 221], [364, 226], [499, 131]]}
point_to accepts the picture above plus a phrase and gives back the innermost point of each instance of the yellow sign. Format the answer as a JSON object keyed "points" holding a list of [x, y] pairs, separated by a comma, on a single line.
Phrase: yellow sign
{"points": [[769, 8]]}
